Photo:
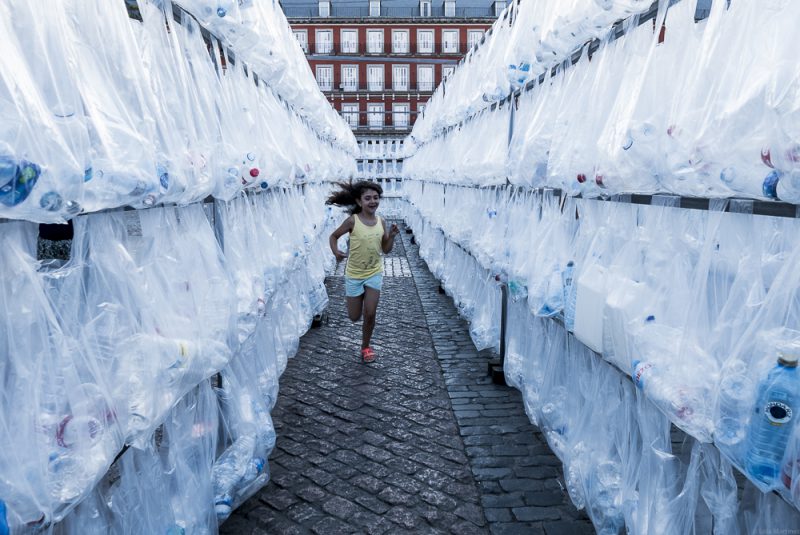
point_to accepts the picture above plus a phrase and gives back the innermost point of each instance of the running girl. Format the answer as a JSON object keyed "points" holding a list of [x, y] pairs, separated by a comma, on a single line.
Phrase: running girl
{"points": [[368, 238]]}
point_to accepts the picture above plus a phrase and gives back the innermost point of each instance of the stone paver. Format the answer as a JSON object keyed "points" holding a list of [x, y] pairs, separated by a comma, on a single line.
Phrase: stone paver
{"points": [[410, 444], [520, 479]]}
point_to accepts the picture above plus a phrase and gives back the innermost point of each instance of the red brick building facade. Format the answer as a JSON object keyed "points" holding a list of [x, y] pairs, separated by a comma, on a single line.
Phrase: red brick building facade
{"points": [[379, 71]]}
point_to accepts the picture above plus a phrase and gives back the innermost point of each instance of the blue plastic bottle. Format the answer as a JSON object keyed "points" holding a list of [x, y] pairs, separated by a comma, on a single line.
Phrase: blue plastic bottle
{"points": [[3, 519], [19, 186], [777, 406]]}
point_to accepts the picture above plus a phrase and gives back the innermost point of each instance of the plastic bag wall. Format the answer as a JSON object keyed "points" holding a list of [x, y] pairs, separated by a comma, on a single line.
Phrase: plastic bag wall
{"points": [[666, 105], [686, 312], [139, 376], [160, 336], [102, 110]]}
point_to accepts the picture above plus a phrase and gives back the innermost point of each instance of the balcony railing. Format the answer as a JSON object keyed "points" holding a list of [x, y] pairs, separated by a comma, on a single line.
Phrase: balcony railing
{"points": [[344, 12], [419, 87], [355, 49]]}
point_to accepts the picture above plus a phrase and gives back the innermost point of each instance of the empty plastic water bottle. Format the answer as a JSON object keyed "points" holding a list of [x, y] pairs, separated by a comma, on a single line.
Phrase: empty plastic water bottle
{"points": [[735, 391], [777, 403], [604, 497], [228, 472]]}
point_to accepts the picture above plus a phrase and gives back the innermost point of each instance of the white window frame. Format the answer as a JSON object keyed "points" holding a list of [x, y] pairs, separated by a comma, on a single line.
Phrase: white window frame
{"points": [[432, 43], [447, 71], [407, 48], [351, 115], [401, 110], [302, 39], [320, 50], [449, 8], [450, 47], [350, 86], [396, 86], [324, 9], [420, 87], [329, 68], [375, 46], [352, 47], [425, 8], [499, 6], [374, 8], [473, 37], [372, 85], [375, 110]]}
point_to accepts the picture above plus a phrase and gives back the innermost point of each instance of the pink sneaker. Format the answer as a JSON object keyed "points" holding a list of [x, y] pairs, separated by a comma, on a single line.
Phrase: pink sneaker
{"points": [[368, 355]]}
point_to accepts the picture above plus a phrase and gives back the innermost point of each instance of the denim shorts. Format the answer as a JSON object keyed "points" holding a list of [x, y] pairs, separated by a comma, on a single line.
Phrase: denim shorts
{"points": [[355, 287]]}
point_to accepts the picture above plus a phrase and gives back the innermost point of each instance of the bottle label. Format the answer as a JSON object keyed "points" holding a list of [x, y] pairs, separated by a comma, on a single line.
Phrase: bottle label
{"points": [[778, 413], [639, 370]]}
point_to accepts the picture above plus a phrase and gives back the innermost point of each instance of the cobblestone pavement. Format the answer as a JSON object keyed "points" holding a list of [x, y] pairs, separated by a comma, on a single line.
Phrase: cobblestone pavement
{"points": [[410, 443]]}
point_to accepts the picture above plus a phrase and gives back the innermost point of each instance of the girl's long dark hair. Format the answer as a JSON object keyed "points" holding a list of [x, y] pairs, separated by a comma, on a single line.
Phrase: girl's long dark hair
{"points": [[348, 192]]}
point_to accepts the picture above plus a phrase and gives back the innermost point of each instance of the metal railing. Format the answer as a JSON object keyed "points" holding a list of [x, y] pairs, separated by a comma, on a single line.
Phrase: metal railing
{"points": [[420, 87], [350, 48], [345, 12]]}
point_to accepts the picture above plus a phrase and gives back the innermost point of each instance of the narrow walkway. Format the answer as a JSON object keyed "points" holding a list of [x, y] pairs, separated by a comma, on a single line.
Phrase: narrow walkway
{"points": [[410, 444]]}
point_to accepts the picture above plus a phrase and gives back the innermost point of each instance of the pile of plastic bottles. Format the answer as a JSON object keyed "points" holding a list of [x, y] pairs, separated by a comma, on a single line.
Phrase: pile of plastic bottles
{"points": [[103, 110], [663, 108], [697, 307], [120, 346]]}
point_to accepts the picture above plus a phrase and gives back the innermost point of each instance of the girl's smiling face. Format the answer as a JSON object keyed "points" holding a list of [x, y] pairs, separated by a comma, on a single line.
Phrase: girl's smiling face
{"points": [[369, 201]]}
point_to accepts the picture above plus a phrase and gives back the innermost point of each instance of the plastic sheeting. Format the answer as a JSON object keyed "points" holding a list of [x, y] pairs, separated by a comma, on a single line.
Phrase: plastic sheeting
{"points": [[695, 306], [702, 109], [102, 110], [117, 346]]}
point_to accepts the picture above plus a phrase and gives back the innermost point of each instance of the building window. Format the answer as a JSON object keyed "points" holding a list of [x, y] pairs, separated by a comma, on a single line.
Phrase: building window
{"points": [[447, 71], [375, 77], [425, 8], [473, 38], [325, 77], [350, 114], [425, 78], [449, 41], [375, 116], [449, 8], [350, 77], [420, 110], [324, 8], [400, 41], [349, 43], [499, 6], [324, 41], [374, 41], [400, 77], [302, 38], [425, 41], [374, 8], [400, 114]]}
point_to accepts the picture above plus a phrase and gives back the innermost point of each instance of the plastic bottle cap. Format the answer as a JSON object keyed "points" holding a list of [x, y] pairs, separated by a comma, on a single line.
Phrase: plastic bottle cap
{"points": [[788, 356]]}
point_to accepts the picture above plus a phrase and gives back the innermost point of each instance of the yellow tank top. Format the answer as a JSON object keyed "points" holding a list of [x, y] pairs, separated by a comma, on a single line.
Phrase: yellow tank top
{"points": [[364, 258]]}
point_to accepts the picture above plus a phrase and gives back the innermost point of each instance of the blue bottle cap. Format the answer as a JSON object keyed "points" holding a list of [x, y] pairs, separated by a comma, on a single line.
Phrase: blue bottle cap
{"points": [[770, 186]]}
